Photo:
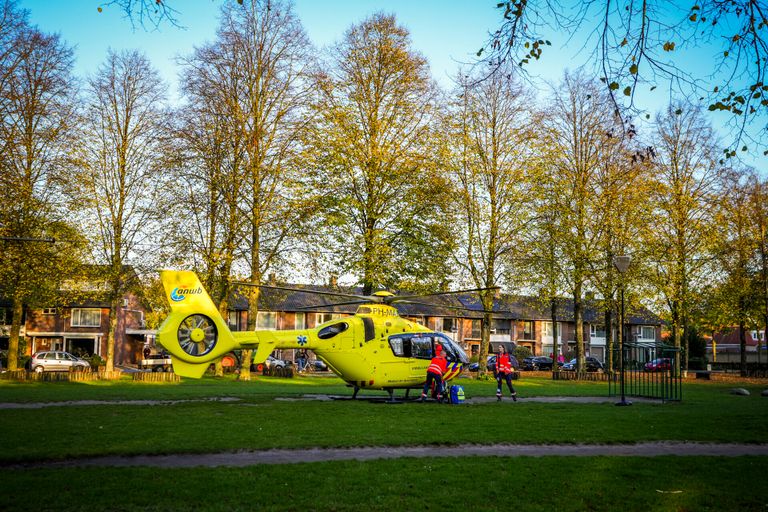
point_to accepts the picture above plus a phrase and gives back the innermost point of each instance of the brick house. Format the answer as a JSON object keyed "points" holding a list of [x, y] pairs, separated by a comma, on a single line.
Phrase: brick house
{"points": [[79, 323]]}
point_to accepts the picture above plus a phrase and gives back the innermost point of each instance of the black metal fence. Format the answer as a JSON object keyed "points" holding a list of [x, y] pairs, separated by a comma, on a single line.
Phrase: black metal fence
{"points": [[650, 371]]}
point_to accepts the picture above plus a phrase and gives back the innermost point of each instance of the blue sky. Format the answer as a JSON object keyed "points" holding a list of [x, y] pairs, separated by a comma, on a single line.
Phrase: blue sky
{"points": [[445, 31]]}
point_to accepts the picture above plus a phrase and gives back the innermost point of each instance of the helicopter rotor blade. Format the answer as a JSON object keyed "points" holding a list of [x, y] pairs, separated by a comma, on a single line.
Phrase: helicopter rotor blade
{"points": [[302, 290], [471, 290], [436, 306], [350, 303]]}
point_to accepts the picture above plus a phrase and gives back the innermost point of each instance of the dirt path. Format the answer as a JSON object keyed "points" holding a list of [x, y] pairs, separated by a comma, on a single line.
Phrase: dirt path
{"points": [[250, 458], [313, 397]]}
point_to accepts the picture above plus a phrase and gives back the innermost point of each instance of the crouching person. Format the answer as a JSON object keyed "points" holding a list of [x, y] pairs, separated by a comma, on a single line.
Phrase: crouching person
{"points": [[435, 374]]}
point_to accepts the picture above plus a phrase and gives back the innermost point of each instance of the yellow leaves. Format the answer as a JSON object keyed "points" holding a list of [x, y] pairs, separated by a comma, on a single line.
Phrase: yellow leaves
{"points": [[669, 46]]}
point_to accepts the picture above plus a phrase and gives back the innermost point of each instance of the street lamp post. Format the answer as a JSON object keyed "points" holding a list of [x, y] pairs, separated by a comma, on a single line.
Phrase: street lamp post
{"points": [[622, 264]]}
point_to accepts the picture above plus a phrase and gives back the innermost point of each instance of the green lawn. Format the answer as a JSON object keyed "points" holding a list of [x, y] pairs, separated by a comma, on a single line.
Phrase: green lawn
{"points": [[708, 413]]}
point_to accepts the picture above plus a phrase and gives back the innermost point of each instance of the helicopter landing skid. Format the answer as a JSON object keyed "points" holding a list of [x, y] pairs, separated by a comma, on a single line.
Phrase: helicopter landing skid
{"points": [[377, 399]]}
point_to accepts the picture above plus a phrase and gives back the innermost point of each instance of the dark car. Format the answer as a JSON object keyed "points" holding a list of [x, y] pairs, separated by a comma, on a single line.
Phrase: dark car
{"points": [[658, 365], [491, 364], [592, 365], [318, 365], [536, 363]]}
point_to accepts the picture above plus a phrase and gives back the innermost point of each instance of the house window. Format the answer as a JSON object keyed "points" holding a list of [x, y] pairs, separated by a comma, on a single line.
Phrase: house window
{"points": [[266, 320], [528, 330], [501, 326], [301, 321], [450, 325], [233, 319], [597, 331], [475, 328], [648, 332], [326, 317], [86, 317], [49, 311]]}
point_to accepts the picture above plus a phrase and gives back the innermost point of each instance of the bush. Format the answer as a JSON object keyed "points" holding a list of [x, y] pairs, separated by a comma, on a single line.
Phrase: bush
{"points": [[95, 361], [522, 352], [697, 363]]}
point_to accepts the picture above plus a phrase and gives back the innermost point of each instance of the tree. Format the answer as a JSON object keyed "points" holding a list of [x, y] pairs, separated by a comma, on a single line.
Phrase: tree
{"points": [[643, 44], [685, 174], [737, 254], [211, 157], [36, 113], [119, 185], [374, 155], [489, 128], [579, 136], [758, 207], [272, 56]]}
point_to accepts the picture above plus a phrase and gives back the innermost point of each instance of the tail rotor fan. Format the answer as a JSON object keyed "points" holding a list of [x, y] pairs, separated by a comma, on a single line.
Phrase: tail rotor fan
{"points": [[197, 335]]}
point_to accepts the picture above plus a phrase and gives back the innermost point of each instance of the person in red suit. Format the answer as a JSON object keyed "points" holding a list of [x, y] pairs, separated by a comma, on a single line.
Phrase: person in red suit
{"points": [[504, 371], [435, 374]]}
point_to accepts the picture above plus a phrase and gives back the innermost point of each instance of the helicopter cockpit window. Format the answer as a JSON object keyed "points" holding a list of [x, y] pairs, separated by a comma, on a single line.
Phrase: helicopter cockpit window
{"points": [[421, 347], [454, 352], [411, 345], [332, 330], [397, 346]]}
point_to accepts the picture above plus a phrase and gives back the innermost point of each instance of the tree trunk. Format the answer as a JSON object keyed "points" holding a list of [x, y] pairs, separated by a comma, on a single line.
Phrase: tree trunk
{"points": [[608, 319], [687, 343], [110, 356], [13, 343], [743, 349], [676, 336], [578, 317], [486, 299], [555, 366]]}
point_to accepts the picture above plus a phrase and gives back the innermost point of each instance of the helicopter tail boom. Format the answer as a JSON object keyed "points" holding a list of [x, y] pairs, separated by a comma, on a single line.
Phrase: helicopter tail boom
{"points": [[195, 333]]}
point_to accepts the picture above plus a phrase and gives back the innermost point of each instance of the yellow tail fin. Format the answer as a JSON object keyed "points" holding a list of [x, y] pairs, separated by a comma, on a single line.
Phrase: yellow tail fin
{"points": [[194, 332]]}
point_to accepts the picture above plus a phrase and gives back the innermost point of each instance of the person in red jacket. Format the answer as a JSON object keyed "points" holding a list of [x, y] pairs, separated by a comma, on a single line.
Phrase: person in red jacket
{"points": [[504, 371], [435, 374]]}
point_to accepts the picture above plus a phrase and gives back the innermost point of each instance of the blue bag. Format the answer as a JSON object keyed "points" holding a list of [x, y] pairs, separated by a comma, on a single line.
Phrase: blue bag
{"points": [[457, 394]]}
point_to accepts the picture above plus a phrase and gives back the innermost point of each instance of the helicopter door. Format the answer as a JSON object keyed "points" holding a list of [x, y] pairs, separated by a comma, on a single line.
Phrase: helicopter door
{"points": [[421, 349]]}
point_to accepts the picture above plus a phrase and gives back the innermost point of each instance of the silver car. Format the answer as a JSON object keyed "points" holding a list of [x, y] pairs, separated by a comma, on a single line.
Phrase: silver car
{"points": [[57, 361]]}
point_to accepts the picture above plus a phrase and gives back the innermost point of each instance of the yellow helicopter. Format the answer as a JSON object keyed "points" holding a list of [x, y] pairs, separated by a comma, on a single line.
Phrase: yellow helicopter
{"points": [[374, 349]]}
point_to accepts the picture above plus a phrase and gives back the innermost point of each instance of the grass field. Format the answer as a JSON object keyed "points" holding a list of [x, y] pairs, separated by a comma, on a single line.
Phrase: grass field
{"points": [[257, 421]]}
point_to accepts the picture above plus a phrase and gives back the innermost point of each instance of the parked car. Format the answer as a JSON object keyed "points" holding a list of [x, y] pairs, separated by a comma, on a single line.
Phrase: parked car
{"points": [[160, 362], [319, 366], [272, 362], [592, 365], [538, 363], [57, 361], [491, 364], [658, 365]]}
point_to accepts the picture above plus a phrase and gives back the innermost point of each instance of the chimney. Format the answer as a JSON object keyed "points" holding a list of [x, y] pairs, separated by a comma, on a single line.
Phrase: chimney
{"points": [[497, 293], [272, 279], [332, 281]]}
